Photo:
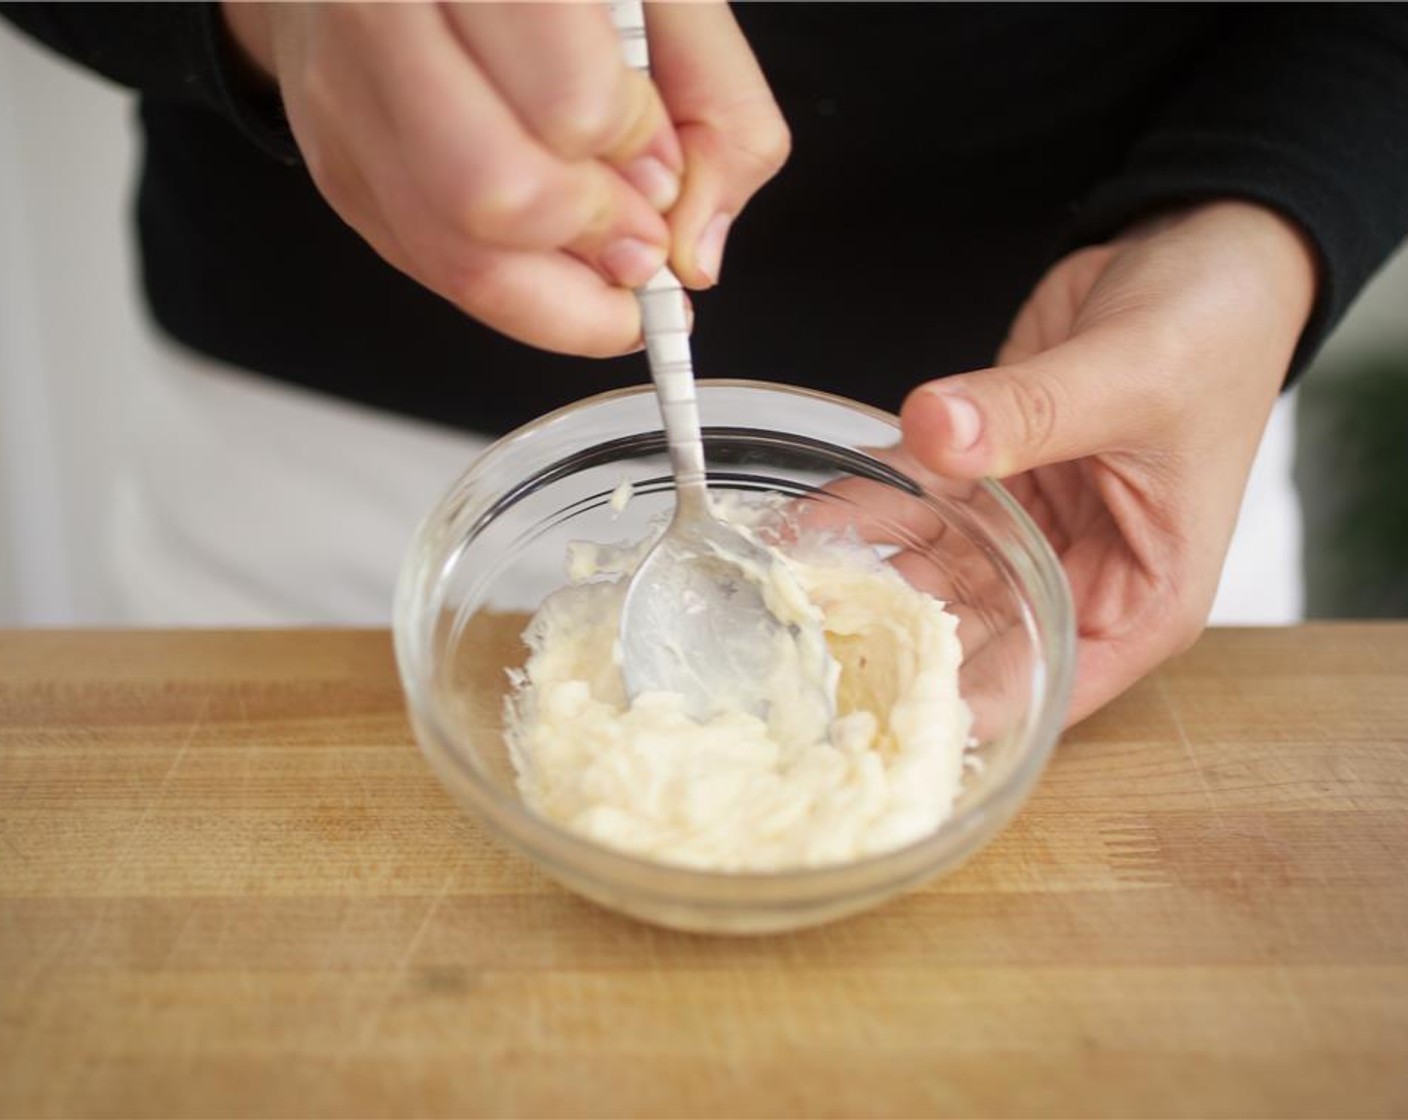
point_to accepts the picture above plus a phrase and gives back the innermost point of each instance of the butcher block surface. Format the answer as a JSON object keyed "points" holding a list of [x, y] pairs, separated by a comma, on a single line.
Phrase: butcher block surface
{"points": [[230, 886]]}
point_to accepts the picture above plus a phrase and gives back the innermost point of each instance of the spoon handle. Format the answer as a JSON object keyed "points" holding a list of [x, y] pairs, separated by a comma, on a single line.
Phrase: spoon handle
{"points": [[665, 323]]}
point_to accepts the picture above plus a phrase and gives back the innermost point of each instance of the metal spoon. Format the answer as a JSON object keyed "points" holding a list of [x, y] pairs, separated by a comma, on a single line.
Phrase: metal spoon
{"points": [[694, 620]]}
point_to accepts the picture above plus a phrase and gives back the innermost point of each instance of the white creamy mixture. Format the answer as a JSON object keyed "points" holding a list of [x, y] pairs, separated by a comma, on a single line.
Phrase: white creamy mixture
{"points": [[739, 793]]}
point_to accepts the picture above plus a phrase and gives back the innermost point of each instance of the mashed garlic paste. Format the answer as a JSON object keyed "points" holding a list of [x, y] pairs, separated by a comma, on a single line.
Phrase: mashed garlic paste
{"points": [[733, 793]]}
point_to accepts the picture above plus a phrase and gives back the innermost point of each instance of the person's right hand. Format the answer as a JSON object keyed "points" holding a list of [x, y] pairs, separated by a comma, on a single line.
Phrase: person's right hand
{"points": [[505, 156]]}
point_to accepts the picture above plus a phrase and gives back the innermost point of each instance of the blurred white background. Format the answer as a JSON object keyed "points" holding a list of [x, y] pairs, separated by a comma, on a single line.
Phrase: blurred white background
{"points": [[73, 338]]}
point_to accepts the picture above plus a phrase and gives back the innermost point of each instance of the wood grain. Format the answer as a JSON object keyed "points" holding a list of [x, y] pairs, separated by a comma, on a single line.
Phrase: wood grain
{"points": [[229, 886]]}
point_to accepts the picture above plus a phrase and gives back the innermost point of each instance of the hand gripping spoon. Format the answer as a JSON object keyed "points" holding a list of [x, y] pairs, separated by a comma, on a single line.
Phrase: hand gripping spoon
{"points": [[694, 620]]}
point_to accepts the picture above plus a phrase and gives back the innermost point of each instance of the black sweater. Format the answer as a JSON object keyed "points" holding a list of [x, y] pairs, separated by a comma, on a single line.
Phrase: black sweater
{"points": [[944, 156]]}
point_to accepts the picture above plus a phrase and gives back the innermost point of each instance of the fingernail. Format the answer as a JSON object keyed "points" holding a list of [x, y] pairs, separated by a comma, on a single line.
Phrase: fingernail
{"points": [[688, 313], [965, 424], [631, 262], [657, 183], [709, 249]]}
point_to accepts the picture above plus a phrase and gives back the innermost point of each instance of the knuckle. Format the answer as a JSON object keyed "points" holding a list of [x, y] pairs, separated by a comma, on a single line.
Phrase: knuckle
{"points": [[1169, 352], [1034, 403], [581, 122], [754, 139], [1177, 616], [767, 143], [498, 209], [1187, 627], [472, 284], [575, 131]]}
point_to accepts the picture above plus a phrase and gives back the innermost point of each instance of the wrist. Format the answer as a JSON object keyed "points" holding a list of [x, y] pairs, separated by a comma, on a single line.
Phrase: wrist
{"points": [[1278, 248], [1273, 254]]}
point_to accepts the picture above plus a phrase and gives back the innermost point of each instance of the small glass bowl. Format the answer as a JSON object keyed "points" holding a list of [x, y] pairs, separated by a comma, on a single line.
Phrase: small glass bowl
{"points": [[497, 544]]}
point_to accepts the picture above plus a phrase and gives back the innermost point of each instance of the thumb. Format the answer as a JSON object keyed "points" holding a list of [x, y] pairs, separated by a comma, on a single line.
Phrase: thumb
{"points": [[1074, 400]]}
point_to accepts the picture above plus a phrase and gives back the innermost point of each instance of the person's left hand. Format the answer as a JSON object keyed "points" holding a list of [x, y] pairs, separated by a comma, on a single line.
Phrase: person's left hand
{"points": [[1124, 414]]}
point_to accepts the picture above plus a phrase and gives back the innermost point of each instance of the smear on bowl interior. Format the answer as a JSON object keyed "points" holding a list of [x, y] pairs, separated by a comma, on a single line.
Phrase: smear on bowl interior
{"points": [[740, 792]]}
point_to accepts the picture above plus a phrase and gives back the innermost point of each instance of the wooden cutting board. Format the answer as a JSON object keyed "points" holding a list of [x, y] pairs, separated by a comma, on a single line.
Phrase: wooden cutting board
{"points": [[230, 886]]}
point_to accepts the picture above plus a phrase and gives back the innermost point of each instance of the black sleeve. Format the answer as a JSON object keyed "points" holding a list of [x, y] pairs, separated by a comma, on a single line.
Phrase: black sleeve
{"points": [[1302, 108], [176, 51]]}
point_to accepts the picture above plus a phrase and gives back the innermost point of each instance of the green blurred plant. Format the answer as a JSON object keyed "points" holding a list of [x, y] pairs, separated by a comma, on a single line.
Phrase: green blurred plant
{"points": [[1351, 472]]}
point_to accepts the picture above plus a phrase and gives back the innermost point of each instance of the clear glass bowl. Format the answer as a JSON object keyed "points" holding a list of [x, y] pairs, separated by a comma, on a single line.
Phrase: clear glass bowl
{"points": [[497, 544]]}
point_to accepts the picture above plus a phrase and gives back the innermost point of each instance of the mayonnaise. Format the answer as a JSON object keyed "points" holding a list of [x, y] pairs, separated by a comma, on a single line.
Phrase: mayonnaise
{"points": [[738, 792]]}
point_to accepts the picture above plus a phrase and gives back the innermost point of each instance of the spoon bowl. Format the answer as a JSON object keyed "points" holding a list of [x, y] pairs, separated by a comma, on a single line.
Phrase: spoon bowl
{"points": [[696, 620]]}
